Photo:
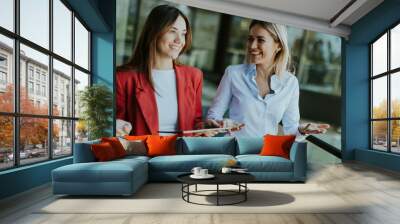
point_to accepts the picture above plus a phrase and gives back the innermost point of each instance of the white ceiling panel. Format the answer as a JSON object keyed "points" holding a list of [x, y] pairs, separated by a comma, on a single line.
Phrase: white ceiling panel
{"points": [[327, 16]]}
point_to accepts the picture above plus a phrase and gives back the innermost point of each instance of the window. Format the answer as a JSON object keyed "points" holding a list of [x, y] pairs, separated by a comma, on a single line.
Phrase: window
{"points": [[30, 87], [3, 78], [385, 94], [37, 75], [7, 14], [39, 80], [30, 72], [3, 61], [43, 90], [38, 89], [3, 72]]}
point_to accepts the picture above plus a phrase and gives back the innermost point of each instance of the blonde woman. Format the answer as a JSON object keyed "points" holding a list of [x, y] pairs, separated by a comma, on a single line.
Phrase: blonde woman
{"points": [[262, 93]]}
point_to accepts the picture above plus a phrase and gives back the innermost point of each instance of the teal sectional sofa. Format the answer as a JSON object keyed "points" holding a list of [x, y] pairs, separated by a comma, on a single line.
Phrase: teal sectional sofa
{"points": [[125, 176]]}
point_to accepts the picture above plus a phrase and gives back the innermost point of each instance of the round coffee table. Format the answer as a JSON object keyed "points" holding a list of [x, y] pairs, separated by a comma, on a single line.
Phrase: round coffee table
{"points": [[238, 179]]}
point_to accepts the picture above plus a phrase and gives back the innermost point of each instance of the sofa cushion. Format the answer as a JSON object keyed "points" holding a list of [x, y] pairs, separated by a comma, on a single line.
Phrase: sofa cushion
{"points": [[134, 147], [132, 158], [257, 163], [185, 163], [103, 151], [206, 145], [277, 145], [136, 137], [116, 145], [83, 152], [161, 145], [249, 145], [112, 171]]}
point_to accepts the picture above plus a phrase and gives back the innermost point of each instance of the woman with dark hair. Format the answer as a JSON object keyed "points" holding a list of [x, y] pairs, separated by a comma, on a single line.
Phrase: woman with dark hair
{"points": [[155, 93]]}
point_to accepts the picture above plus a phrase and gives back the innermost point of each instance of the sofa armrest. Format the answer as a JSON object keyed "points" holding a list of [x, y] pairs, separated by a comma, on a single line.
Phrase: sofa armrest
{"points": [[298, 155], [83, 152]]}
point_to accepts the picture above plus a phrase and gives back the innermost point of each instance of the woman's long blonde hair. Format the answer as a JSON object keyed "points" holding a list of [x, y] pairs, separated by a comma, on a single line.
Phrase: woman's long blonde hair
{"points": [[279, 34]]}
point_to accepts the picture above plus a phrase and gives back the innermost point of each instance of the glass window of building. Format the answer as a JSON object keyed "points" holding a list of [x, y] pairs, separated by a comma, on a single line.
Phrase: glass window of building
{"points": [[6, 69], [30, 87], [40, 63], [62, 30], [45, 131], [34, 22], [7, 14], [385, 94], [81, 45]]}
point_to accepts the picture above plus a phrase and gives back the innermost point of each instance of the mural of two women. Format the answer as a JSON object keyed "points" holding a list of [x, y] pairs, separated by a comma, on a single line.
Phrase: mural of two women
{"points": [[155, 93]]}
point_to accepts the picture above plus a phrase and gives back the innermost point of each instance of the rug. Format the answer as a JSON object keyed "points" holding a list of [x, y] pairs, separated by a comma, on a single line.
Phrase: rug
{"points": [[167, 198]]}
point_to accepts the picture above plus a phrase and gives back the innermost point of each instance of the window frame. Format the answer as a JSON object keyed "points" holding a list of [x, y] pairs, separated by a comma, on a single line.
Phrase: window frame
{"points": [[16, 115], [388, 74]]}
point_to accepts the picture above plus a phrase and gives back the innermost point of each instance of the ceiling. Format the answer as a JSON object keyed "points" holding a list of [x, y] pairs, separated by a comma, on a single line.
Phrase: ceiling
{"points": [[328, 16]]}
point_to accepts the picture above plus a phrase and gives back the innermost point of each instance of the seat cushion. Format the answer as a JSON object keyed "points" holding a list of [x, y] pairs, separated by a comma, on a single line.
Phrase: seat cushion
{"points": [[185, 163], [257, 163], [111, 171]]}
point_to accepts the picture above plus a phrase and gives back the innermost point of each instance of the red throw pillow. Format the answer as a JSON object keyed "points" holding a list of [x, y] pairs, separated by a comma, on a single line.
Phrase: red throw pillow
{"points": [[116, 145], [277, 145], [103, 151], [161, 145]]}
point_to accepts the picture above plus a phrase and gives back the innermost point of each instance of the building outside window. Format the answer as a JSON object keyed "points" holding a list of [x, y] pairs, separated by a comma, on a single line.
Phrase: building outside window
{"points": [[385, 92], [34, 68]]}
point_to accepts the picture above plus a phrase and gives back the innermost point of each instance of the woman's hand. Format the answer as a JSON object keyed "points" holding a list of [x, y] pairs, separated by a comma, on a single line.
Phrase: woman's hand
{"points": [[206, 134], [211, 123], [229, 124], [313, 128]]}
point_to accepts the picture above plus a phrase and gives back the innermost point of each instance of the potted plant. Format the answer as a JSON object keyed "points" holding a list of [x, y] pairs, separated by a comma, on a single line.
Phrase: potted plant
{"points": [[96, 104]]}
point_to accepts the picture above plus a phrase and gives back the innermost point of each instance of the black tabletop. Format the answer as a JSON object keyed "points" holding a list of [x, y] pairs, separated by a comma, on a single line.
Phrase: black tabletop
{"points": [[220, 178]]}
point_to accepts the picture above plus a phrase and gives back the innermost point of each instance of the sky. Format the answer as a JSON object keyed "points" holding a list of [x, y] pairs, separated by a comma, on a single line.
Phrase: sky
{"points": [[379, 60], [35, 27]]}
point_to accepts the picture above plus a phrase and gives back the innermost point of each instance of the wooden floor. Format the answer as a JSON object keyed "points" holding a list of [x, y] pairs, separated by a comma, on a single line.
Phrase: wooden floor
{"points": [[378, 188]]}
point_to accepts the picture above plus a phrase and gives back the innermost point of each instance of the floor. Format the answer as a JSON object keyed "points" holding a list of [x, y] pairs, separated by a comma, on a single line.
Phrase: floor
{"points": [[378, 188]]}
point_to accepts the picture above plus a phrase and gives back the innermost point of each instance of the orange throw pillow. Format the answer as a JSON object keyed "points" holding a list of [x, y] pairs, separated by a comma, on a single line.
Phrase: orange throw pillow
{"points": [[103, 151], [136, 137], [277, 145], [116, 145], [161, 145]]}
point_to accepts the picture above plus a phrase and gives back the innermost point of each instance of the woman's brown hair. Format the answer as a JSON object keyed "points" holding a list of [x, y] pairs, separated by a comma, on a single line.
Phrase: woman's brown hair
{"points": [[160, 19]]}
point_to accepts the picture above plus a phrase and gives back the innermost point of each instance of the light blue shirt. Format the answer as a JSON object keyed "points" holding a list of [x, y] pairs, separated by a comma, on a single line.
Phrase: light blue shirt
{"points": [[166, 99], [238, 92]]}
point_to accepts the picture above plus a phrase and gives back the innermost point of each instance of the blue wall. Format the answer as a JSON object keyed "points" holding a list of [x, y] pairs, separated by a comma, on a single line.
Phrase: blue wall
{"points": [[103, 51], [99, 15], [24, 178], [355, 134]]}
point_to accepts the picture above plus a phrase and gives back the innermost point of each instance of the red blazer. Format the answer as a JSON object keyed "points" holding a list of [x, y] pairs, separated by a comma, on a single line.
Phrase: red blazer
{"points": [[136, 101]]}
